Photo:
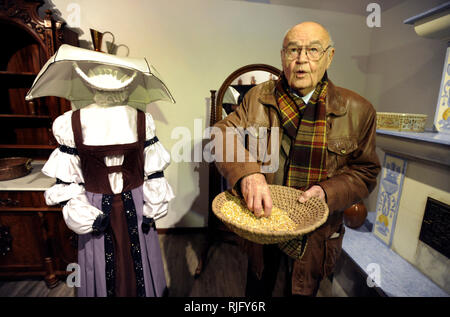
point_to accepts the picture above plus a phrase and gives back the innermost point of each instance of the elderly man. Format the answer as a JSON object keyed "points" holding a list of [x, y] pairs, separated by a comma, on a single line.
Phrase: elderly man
{"points": [[326, 147]]}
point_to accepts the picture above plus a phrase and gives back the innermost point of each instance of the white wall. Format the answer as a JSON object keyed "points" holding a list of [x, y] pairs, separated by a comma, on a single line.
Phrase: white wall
{"points": [[195, 45]]}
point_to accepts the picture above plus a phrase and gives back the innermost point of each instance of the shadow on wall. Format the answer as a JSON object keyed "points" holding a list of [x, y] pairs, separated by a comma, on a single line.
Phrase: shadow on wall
{"points": [[180, 266], [154, 109], [406, 78], [429, 174], [57, 15], [199, 207]]}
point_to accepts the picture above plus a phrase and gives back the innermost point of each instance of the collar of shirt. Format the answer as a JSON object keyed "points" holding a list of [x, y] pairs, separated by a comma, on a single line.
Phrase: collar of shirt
{"points": [[305, 98]]}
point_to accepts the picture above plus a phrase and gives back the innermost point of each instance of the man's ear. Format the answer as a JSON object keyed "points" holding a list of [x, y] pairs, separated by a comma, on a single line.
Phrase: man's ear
{"points": [[330, 57]]}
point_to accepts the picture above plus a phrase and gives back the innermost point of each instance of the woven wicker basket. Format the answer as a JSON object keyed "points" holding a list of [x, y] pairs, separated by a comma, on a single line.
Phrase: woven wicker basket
{"points": [[308, 216]]}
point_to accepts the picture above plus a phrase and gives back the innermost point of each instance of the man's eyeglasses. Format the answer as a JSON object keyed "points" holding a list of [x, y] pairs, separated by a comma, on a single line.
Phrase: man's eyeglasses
{"points": [[314, 53]]}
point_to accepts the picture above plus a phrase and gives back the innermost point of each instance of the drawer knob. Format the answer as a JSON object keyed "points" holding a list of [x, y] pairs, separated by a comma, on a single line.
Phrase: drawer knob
{"points": [[8, 202]]}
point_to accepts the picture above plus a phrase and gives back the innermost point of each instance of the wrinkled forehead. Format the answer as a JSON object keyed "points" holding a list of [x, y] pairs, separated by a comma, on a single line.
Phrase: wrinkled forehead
{"points": [[306, 35]]}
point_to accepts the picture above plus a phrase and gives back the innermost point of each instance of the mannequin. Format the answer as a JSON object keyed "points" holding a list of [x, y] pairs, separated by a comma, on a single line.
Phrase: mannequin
{"points": [[109, 170]]}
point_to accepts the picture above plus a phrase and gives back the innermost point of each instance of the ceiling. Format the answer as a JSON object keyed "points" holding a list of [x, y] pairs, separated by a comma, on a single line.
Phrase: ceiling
{"points": [[357, 7]]}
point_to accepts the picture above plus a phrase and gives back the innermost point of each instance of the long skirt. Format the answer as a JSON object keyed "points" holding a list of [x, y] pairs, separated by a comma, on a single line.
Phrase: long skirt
{"points": [[98, 276]]}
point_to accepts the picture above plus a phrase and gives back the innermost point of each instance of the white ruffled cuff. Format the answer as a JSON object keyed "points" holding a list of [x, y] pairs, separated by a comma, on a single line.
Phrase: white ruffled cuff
{"points": [[157, 194], [80, 215], [61, 192], [156, 158], [66, 167]]}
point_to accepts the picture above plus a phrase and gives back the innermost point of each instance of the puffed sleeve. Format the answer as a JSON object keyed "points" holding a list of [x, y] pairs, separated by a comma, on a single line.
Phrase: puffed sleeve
{"points": [[157, 194], [81, 217], [157, 158], [64, 165], [157, 191]]}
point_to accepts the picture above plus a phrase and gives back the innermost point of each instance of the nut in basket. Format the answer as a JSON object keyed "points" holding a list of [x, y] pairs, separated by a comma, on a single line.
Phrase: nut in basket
{"points": [[289, 219]]}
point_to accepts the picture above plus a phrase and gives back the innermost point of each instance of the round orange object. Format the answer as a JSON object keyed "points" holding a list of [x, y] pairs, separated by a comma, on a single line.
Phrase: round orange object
{"points": [[355, 215]]}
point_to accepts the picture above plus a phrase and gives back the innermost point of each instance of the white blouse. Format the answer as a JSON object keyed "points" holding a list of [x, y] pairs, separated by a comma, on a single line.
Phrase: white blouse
{"points": [[100, 126]]}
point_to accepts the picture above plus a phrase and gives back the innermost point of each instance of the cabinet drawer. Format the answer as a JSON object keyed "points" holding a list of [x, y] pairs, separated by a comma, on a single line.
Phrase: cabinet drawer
{"points": [[33, 237], [27, 243], [21, 199]]}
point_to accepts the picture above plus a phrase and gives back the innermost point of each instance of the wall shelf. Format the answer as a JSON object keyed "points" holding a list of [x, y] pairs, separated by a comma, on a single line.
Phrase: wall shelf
{"points": [[433, 23], [429, 146], [398, 278]]}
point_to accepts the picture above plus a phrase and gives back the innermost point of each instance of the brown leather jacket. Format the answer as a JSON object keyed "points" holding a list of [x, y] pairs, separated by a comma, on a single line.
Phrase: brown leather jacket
{"points": [[352, 168]]}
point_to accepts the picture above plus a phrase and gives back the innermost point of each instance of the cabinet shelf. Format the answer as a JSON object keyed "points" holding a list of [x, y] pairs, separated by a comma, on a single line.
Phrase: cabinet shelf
{"points": [[16, 79], [6, 73], [24, 116], [28, 146], [30, 209]]}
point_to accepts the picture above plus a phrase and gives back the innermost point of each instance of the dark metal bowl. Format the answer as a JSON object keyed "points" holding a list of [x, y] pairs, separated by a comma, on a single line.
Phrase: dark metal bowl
{"points": [[14, 167]]}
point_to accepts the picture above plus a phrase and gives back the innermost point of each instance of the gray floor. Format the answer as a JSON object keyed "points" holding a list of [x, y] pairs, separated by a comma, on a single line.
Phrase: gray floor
{"points": [[223, 276]]}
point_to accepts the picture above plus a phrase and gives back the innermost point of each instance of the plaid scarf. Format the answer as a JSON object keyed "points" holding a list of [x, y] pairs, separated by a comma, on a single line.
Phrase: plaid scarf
{"points": [[306, 125]]}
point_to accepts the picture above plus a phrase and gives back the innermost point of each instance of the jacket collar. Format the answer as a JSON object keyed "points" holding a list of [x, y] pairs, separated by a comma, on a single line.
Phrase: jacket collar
{"points": [[335, 104]]}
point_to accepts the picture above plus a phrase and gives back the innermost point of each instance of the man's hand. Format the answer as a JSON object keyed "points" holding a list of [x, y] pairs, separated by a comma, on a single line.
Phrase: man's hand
{"points": [[314, 191], [256, 193]]}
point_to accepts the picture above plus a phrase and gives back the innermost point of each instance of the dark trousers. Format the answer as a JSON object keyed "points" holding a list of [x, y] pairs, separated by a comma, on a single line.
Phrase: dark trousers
{"points": [[264, 286]]}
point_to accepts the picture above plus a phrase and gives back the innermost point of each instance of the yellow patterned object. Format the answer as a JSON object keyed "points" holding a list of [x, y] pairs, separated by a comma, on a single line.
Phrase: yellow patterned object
{"points": [[446, 114], [384, 220], [408, 122], [289, 219]]}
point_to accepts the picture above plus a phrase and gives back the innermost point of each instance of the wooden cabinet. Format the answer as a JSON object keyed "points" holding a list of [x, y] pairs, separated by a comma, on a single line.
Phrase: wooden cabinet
{"points": [[40, 243]]}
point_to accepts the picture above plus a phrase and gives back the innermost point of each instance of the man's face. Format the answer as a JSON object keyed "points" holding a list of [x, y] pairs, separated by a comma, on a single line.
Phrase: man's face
{"points": [[302, 73]]}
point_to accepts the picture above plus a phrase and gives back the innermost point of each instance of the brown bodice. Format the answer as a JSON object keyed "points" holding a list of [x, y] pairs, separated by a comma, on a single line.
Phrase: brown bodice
{"points": [[95, 171]]}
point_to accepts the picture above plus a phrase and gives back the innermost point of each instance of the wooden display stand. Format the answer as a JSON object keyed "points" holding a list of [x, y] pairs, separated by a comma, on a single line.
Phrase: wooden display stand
{"points": [[40, 243]]}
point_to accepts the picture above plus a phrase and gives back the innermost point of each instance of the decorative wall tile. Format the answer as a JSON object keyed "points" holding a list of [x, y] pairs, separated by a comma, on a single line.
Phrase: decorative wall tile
{"points": [[442, 116], [389, 193]]}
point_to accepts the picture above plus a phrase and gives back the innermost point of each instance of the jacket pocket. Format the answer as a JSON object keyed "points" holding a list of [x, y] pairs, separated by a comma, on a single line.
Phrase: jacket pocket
{"points": [[333, 248], [256, 142], [339, 152]]}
